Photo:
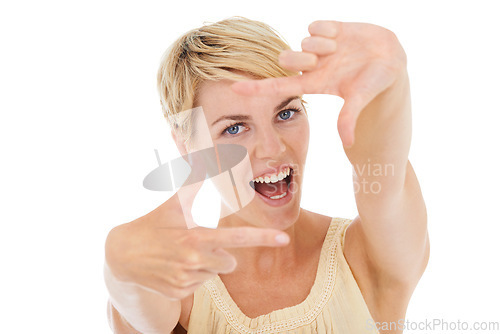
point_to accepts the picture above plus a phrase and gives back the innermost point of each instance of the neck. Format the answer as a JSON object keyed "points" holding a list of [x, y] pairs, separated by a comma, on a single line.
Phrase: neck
{"points": [[268, 261]]}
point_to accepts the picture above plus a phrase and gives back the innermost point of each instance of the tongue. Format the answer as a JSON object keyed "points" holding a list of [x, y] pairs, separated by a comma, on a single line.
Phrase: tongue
{"points": [[271, 189]]}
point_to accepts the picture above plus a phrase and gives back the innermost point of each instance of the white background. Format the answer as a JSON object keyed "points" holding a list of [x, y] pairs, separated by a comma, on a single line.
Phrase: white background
{"points": [[80, 119]]}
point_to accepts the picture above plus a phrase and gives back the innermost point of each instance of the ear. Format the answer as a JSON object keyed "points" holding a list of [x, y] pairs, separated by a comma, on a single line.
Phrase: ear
{"points": [[180, 142]]}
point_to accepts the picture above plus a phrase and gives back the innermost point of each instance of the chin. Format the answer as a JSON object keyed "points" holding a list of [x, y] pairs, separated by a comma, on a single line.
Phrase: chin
{"points": [[281, 222], [270, 217]]}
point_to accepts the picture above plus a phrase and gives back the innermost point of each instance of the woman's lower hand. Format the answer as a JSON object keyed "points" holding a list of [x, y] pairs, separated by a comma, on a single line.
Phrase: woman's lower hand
{"points": [[156, 253]]}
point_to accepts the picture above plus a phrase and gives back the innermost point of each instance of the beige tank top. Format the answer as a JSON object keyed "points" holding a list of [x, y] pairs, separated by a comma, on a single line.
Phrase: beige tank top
{"points": [[334, 305]]}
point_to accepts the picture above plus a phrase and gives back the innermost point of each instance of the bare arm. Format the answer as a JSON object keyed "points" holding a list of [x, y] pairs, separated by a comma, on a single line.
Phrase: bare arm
{"points": [[366, 65], [392, 221], [154, 262], [117, 323], [141, 310]]}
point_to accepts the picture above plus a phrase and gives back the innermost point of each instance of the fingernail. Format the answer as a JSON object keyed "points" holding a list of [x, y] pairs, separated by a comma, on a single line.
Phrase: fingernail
{"points": [[282, 238]]}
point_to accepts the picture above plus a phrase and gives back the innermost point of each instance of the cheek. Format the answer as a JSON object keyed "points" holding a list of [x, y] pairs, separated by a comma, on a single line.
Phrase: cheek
{"points": [[233, 185], [299, 138]]}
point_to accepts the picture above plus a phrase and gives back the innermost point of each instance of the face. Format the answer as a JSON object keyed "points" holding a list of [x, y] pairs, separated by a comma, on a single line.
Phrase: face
{"points": [[275, 132]]}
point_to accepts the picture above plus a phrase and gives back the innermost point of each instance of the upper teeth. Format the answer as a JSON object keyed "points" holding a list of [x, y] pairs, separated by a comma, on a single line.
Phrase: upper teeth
{"points": [[273, 178]]}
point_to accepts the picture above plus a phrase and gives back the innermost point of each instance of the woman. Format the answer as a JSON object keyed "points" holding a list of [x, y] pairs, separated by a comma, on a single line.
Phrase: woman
{"points": [[271, 266]]}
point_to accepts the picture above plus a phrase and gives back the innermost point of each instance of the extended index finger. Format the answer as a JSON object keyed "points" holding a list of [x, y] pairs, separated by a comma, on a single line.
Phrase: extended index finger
{"points": [[245, 237]]}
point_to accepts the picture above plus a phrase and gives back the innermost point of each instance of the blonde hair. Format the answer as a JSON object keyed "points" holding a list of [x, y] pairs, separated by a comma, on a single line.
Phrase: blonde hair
{"points": [[214, 52]]}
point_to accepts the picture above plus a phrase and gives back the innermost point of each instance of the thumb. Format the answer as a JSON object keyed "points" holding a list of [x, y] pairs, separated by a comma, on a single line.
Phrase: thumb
{"points": [[346, 123]]}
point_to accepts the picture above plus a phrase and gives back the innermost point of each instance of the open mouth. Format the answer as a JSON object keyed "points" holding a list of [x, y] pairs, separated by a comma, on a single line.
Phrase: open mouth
{"points": [[274, 187]]}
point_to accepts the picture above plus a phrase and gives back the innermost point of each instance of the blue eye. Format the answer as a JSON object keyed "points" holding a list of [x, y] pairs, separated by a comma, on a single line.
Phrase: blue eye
{"points": [[238, 128], [286, 114], [233, 129]]}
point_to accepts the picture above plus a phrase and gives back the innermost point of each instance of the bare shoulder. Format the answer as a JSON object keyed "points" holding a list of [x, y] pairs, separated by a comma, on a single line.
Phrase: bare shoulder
{"points": [[384, 301], [316, 223]]}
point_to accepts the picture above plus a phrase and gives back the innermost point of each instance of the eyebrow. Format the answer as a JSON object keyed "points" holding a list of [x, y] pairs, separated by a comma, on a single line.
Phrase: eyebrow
{"points": [[246, 117]]}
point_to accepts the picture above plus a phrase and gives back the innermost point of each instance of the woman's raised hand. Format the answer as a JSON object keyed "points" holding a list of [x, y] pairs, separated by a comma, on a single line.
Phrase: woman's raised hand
{"points": [[356, 61], [158, 252]]}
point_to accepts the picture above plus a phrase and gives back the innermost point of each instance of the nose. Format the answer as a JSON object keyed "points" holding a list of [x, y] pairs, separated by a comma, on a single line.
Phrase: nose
{"points": [[269, 144]]}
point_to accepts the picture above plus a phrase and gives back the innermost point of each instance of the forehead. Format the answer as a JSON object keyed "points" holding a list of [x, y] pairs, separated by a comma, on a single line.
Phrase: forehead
{"points": [[217, 97], [210, 91]]}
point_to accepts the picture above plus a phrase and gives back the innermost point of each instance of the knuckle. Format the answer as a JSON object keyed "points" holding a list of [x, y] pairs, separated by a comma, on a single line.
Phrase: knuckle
{"points": [[191, 239], [182, 279], [111, 250], [192, 259], [119, 246], [113, 238]]}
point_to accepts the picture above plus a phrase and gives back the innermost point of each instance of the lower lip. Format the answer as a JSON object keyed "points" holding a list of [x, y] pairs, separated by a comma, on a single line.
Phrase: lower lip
{"points": [[278, 202]]}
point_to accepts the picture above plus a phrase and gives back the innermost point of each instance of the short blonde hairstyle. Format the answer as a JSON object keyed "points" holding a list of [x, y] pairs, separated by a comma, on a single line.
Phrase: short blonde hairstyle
{"points": [[216, 51]]}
